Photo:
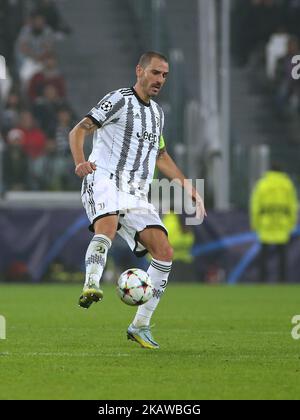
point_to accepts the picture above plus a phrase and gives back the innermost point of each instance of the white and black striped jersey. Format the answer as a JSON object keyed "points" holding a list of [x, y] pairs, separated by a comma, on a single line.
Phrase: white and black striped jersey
{"points": [[128, 140]]}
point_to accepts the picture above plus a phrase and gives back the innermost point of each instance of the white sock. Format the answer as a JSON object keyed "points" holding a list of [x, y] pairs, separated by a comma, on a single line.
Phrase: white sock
{"points": [[95, 259], [159, 272]]}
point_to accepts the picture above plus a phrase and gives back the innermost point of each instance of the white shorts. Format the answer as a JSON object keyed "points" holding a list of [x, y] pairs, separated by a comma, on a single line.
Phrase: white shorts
{"points": [[101, 198]]}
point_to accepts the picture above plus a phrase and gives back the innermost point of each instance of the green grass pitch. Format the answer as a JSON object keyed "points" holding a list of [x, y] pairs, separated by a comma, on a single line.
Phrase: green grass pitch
{"points": [[216, 342]]}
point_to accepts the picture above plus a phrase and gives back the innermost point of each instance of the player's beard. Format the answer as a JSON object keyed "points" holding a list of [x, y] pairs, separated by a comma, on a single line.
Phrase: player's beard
{"points": [[157, 90], [148, 88]]}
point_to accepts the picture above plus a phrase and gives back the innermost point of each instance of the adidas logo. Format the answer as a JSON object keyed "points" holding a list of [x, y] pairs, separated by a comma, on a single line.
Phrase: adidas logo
{"points": [[137, 116]]}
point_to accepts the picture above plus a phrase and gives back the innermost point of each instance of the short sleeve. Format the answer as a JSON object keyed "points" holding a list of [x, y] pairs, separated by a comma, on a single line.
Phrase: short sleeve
{"points": [[108, 109]]}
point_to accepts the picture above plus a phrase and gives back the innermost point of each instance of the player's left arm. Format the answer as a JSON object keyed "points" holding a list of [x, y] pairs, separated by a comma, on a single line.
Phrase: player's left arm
{"points": [[168, 167]]}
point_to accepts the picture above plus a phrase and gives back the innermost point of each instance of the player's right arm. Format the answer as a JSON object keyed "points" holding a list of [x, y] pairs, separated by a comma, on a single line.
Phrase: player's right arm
{"points": [[108, 110], [76, 138]]}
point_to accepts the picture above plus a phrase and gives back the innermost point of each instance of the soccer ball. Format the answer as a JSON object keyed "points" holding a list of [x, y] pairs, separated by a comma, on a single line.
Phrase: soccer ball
{"points": [[134, 287]]}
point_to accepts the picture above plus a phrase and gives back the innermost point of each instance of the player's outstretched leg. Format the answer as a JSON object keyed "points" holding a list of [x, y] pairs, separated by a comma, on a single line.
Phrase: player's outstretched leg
{"points": [[95, 261], [139, 330]]}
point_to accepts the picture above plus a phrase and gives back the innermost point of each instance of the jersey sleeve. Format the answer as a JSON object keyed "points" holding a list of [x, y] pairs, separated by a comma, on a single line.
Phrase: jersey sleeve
{"points": [[108, 109]]}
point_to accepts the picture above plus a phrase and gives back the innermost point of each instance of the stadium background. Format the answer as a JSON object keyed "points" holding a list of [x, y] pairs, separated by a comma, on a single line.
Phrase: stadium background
{"points": [[228, 115], [226, 119]]}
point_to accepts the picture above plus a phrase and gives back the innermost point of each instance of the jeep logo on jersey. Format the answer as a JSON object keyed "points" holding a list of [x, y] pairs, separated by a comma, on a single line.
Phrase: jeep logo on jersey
{"points": [[106, 106], [152, 138]]}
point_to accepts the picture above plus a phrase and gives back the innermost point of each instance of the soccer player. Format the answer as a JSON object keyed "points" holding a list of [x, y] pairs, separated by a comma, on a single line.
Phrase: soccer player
{"points": [[127, 145]]}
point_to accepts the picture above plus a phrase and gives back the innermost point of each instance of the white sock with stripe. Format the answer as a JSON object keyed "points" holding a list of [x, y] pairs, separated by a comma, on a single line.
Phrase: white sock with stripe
{"points": [[95, 259], [159, 272]]}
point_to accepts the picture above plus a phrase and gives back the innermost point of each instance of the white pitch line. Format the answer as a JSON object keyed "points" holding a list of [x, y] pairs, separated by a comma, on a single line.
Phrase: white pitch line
{"points": [[55, 354], [235, 331], [263, 358]]}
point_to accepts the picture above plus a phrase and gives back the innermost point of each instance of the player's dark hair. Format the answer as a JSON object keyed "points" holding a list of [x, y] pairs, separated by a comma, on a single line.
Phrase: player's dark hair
{"points": [[146, 58]]}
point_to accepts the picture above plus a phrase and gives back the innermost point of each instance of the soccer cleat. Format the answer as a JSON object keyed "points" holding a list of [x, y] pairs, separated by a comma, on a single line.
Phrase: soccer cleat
{"points": [[90, 295], [142, 336]]}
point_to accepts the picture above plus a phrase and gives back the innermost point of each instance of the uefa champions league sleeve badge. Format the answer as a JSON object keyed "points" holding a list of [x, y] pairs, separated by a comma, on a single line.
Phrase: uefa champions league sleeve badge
{"points": [[106, 106]]}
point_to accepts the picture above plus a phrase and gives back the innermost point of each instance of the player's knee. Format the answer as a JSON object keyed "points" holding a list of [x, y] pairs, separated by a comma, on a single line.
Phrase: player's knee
{"points": [[106, 226]]}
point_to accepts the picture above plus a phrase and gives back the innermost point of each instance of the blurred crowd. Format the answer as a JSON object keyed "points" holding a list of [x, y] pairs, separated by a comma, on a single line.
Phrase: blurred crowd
{"points": [[265, 37], [35, 114]]}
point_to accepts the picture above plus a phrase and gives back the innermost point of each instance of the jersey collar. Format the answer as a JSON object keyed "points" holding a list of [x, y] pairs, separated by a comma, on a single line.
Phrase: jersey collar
{"points": [[139, 99]]}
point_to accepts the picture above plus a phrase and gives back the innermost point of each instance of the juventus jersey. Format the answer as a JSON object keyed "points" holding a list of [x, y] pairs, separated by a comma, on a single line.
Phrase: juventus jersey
{"points": [[128, 140]]}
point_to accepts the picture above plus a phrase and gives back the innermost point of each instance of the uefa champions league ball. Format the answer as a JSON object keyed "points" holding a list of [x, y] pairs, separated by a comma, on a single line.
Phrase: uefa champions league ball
{"points": [[134, 287]]}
